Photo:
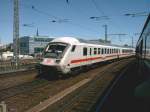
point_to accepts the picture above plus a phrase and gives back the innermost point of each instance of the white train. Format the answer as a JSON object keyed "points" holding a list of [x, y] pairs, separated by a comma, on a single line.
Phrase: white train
{"points": [[66, 54]]}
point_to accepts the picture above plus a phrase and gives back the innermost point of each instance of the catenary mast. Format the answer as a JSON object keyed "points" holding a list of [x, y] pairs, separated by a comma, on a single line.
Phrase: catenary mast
{"points": [[16, 32]]}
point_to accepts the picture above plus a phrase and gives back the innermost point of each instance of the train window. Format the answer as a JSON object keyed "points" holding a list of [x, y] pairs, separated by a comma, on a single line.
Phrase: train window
{"points": [[95, 50], [54, 50], [84, 51], [108, 51], [123, 51], [102, 51], [99, 50], [73, 48], [105, 51], [90, 51]]}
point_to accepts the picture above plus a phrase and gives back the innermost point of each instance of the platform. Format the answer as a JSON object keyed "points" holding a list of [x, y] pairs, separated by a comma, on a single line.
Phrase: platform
{"points": [[132, 91]]}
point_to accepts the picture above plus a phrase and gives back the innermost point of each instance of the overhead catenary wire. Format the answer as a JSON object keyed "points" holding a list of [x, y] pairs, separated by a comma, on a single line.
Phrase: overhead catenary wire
{"points": [[58, 19], [42, 12], [97, 7], [103, 14]]}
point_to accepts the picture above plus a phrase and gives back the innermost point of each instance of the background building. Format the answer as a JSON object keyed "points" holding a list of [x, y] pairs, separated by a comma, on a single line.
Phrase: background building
{"points": [[32, 45]]}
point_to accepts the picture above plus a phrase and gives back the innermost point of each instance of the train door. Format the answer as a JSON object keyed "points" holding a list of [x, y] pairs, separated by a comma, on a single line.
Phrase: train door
{"points": [[90, 56], [85, 54], [103, 53]]}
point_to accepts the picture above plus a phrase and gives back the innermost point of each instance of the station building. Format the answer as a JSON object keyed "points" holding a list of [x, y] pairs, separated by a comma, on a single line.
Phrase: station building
{"points": [[32, 45]]}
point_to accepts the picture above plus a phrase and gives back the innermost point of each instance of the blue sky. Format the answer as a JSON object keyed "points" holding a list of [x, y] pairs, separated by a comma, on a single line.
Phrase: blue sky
{"points": [[77, 13]]}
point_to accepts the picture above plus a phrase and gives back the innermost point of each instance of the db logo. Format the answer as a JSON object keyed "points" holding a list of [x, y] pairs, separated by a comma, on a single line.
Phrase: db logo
{"points": [[48, 61]]}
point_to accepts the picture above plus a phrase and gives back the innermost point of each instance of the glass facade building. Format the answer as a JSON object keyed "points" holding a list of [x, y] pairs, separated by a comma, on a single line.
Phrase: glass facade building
{"points": [[33, 44]]}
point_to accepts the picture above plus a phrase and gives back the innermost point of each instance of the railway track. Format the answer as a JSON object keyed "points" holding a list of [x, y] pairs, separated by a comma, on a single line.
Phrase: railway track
{"points": [[86, 97], [18, 73], [15, 90], [16, 78], [24, 80], [24, 96]]}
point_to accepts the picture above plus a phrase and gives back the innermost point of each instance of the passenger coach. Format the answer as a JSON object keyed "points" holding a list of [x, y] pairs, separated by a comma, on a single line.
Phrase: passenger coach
{"points": [[143, 44], [66, 54]]}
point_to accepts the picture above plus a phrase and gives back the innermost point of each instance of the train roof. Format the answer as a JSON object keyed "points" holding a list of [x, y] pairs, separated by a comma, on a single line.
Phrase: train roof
{"points": [[102, 44], [74, 41], [69, 40]]}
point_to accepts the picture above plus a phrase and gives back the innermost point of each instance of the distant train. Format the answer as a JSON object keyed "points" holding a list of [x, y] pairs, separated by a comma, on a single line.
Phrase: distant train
{"points": [[9, 56], [67, 54]]}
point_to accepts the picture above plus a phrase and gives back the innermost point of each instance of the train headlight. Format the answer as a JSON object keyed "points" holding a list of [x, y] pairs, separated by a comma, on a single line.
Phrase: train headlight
{"points": [[58, 60]]}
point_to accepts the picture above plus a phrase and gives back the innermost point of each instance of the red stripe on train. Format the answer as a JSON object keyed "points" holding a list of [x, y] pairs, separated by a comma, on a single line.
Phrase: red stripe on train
{"points": [[90, 59], [86, 59]]}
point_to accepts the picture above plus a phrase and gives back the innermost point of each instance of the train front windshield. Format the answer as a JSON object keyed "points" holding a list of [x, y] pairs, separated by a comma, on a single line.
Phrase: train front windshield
{"points": [[55, 50]]}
